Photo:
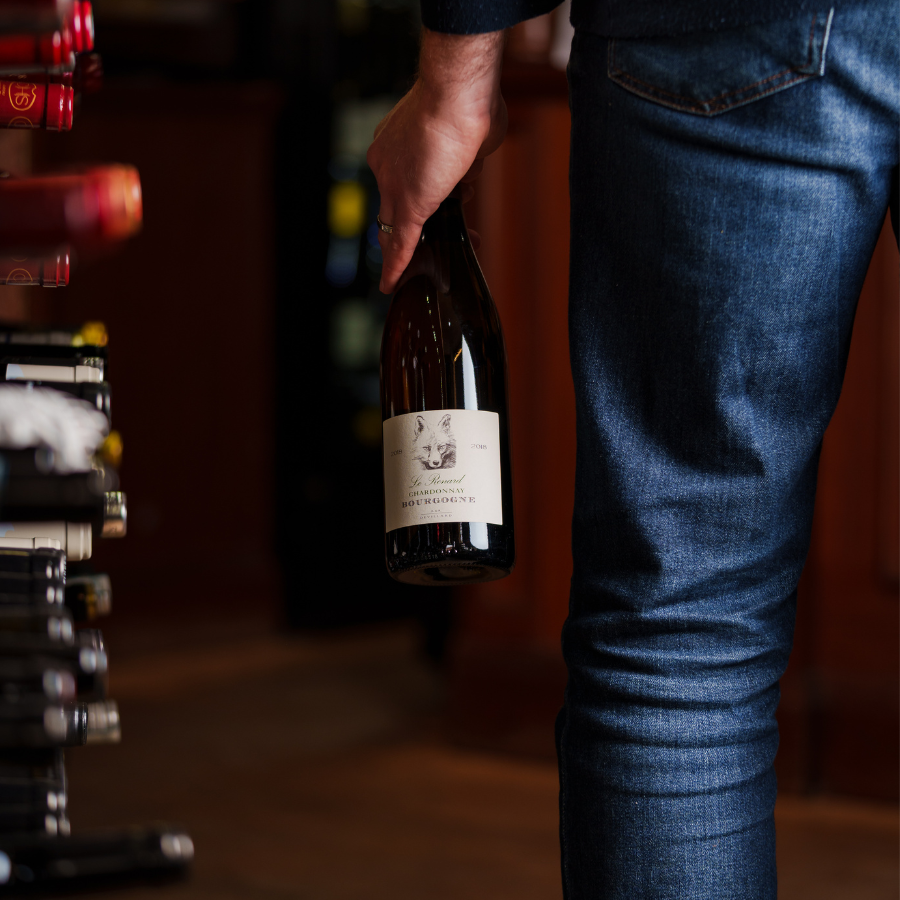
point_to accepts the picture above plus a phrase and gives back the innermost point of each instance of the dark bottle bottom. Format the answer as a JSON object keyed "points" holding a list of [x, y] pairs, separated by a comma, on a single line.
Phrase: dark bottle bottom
{"points": [[449, 574], [444, 555]]}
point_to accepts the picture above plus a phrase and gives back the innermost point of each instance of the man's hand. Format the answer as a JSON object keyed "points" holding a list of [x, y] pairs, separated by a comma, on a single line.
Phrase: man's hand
{"points": [[436, 137]]}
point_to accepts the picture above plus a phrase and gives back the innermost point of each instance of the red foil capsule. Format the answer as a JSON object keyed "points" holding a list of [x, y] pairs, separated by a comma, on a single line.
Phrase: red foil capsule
{"points": [[122, 205], [58, 45], [116, 191], [89, 209], [81, 22], [87, 18], [47, 271], [28, 104], [42, 50]]}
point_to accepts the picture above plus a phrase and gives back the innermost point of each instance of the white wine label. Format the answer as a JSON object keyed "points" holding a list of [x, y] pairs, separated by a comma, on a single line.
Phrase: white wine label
{"points": [[442, 465], [62, 373], [74, 537]]}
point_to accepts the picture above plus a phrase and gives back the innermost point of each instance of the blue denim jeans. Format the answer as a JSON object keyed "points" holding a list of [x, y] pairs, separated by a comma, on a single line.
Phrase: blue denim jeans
{"points": [[727, 193]]}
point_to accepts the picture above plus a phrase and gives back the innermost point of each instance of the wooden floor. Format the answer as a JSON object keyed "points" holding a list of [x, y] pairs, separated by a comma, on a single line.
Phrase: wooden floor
{"points": [[315, 769]]}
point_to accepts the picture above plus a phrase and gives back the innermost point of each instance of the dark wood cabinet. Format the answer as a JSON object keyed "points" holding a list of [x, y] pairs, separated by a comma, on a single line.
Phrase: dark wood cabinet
{"points": [[189, 307]]}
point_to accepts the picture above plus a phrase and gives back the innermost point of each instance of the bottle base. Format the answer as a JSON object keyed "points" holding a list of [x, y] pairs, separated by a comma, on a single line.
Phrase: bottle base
{"points": [[450, 574]]}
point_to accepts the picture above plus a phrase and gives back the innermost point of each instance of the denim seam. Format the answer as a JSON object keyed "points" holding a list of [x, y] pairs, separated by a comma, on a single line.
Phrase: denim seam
{"points": [[712, 106]]}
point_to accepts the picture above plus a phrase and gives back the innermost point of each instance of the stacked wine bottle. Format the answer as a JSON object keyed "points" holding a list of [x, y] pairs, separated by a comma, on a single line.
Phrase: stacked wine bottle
{"points": [[59, 485]]}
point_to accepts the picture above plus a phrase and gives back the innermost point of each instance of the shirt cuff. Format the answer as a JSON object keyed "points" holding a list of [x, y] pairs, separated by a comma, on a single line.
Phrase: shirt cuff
{"points": [[480, 16]]}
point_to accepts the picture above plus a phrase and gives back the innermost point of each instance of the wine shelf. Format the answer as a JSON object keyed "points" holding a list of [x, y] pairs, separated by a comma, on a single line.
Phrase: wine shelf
{"points": [[59, 458]]}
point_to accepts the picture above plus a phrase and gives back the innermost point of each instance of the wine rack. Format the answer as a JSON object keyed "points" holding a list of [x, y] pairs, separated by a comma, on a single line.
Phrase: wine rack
{"points": [[59, 483]]}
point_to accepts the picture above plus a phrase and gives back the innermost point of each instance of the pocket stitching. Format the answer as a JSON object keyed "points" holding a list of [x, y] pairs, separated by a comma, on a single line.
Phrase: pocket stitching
{"points": [[713, 106]]}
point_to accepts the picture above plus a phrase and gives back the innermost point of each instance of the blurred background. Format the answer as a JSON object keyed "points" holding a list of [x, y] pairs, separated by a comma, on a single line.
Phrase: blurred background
{"points": [[323, 731]]}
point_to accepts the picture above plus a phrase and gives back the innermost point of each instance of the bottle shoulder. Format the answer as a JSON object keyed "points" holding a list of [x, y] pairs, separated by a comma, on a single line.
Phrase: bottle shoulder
{"points": [[445, 277]]}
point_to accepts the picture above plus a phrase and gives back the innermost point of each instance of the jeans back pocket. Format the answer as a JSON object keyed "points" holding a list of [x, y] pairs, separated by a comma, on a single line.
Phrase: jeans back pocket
{"points": [[708, 74]]}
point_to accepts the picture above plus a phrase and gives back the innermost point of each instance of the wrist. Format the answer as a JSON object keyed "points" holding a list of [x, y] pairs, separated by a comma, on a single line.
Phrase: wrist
{"points": [[462, 72]]}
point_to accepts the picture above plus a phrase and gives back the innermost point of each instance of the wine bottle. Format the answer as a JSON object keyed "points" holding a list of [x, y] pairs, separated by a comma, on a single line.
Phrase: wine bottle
{"points": [[85, 76], [91, 861], [28, 53], [83, 663], [16, 588], [447, 479], [51, 646], [43, 619], [40, 723], [42, 271], [62, 676], [54, 355], [89, 208], [27, 544], [44, 563], [24, 819], [85, 658], [72, 498], [52, 371], [88, 336], [75, 538], [44, 582], [29, 104], [23, 676], [31, 491], [46, 794]]}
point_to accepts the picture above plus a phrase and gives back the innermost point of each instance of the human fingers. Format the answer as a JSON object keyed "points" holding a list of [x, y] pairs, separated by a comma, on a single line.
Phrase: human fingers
{"points": [[397, 248]]}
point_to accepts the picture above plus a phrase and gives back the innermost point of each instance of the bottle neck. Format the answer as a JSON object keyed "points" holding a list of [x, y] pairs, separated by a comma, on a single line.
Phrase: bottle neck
{"points": [[447, 223]]}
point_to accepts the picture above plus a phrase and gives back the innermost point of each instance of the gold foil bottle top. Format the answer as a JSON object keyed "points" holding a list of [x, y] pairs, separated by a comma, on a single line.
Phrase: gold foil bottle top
{"points": [[111, 449], [93, 333]]}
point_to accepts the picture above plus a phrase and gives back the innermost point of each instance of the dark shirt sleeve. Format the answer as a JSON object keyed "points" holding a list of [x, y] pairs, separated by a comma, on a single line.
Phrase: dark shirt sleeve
{"points": [[480, 16]]}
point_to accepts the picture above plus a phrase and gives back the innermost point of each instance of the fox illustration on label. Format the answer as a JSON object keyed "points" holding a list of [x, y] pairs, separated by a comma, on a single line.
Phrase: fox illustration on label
{"points": [[434, 446]]}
